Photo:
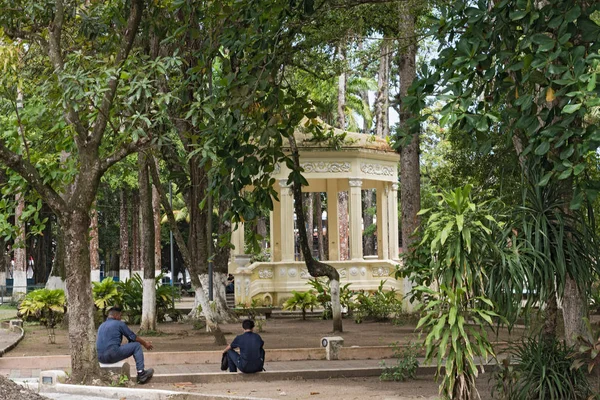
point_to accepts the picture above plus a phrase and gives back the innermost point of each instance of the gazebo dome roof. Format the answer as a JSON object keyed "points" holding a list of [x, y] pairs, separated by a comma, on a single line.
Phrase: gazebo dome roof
{"points": [[347, 140]]}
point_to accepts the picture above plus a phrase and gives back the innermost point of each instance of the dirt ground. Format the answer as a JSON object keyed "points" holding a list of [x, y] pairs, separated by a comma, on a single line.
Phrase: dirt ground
{"points": [[327, 389], [277, 333]]}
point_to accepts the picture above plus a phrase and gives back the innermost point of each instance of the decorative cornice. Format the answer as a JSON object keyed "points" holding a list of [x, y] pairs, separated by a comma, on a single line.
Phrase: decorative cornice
{"points": [[325, 167], [377, 169]]}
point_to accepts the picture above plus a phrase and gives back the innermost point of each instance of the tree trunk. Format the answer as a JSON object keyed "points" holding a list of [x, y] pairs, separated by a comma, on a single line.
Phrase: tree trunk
{"points": [[261, 229], [382, 98], [157, 217], [94, 242], [341, 94], [43, 262], [124, 231], [309, 220], [410, 194], [315, 268], [147, 246], [58, 273], [20, 256], [341, 123], [319, 217], [191, 251], [82, 336], [136, 267]]}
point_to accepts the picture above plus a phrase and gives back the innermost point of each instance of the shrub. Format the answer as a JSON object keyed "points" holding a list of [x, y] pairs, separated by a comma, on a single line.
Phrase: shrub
{"points": [[131, 295], [406, 365], [301, 300], [106, 294], [380, 305], [46, 306], [544, 371], [323, 291]]}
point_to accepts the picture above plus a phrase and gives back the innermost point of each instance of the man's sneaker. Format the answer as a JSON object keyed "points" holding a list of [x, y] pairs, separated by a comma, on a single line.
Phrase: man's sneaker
{"points": [[145, 375]]}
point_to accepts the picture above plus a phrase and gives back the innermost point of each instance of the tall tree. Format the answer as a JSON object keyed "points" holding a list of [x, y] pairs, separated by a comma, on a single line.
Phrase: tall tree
{"points": [[530, 71], [85, 85], [410, 175]]}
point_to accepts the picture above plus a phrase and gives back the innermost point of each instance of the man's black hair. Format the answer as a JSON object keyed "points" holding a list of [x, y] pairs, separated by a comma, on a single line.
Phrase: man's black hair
{"points": [[248, 324], [115, 309]]}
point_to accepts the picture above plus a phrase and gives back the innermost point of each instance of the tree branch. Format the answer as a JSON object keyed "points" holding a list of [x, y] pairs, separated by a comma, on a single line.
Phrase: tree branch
{"points": [[55, 54], [123, 151], [133, 22], [26, 170]]}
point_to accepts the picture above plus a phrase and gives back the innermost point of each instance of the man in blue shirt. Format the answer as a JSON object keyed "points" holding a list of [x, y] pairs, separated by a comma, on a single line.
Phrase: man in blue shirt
{"points": [[110, 350], [252, 355]]}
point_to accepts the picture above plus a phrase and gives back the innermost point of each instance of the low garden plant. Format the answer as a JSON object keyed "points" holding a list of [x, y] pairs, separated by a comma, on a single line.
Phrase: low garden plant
{"points": [[406, 363], [380, 305], [46, 306], [544, 369], [302, 301]]}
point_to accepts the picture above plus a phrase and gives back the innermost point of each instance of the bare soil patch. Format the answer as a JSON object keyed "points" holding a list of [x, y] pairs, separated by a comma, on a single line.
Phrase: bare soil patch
{"points": [[327, 389]]}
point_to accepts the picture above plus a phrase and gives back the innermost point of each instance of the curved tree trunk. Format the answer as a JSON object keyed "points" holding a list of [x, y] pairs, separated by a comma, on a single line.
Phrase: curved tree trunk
{"points": [[315, 268], [190, 252]]}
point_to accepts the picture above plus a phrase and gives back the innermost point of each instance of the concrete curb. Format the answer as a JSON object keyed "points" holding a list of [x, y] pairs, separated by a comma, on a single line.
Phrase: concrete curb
{"points": [[13, 345], [267, 376], [135, 394]]}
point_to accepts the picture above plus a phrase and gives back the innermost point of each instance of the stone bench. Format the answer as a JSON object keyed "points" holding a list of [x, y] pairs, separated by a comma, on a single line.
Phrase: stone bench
{"points": [[118, 368]]}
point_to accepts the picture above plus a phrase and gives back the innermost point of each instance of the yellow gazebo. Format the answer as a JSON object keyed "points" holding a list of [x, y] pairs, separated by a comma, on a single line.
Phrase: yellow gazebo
{"points": [[363, 162]]}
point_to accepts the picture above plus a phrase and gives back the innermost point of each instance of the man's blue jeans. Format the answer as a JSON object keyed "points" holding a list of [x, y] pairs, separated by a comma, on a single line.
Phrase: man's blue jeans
{"points": [[233, 360], [116, 354]]}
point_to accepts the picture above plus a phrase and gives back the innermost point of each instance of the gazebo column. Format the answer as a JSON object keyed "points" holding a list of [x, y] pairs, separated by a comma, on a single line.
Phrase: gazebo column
{"points": [[333, 221], [287, 222], [383, 239], [237, 239], [356, 248], [393, 223], [275, 233]]}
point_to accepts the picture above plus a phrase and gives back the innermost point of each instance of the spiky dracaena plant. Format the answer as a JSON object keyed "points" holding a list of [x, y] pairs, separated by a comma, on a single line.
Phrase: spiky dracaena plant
{"points": [[460, 238]]}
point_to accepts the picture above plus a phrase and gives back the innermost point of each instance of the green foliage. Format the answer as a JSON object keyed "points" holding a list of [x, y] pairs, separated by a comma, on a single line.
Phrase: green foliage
{"points": [[525, 69], [406, 365], [132, 295], [549, 244], [301, 300], [505, 379], [323, 293], [544, 371], [459, 235], [588, 352], [380, 305], [106, 294], [46, 306]]}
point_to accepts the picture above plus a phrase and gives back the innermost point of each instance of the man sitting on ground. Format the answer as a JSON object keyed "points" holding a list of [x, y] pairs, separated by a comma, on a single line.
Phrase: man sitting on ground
{"points": [[252, 355], [110, 350]]}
